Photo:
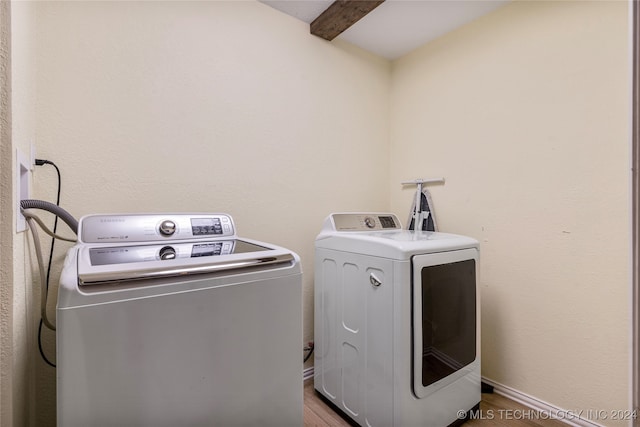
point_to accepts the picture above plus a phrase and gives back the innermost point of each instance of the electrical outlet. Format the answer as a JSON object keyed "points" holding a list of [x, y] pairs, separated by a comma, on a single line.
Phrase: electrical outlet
{"points": [[23, 190], [32, 160]]}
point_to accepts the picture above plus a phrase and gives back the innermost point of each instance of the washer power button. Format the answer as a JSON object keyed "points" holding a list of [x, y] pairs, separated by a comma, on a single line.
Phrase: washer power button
{"points": [[167, 227]]}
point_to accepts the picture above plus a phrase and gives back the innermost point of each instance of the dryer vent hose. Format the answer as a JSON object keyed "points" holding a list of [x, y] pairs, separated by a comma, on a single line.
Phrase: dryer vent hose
{"points": [[54, 209]]}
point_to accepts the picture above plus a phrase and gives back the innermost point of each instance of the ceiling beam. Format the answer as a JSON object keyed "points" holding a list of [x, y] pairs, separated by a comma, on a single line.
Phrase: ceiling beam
{"points": [[341, 15]]}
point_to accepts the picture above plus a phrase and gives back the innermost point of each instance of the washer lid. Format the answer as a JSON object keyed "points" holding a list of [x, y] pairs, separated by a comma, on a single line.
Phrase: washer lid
{"points": [[108, 263], [398, 244]]}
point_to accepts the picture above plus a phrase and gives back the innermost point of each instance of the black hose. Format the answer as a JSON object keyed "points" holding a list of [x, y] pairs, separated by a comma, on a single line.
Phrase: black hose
{"points": [[310, 350], [54, 209]]}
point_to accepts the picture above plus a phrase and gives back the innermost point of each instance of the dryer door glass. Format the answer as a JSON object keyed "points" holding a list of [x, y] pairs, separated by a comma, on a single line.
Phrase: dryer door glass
{"points": [[445, 341], [448, 319]]}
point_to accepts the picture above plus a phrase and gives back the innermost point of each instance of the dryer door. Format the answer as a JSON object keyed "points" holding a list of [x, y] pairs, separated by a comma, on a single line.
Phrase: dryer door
{"points": [[445, 318]]}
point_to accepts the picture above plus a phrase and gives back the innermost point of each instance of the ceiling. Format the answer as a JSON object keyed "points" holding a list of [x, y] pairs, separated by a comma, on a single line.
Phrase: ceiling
{"points": [[396, 27]]}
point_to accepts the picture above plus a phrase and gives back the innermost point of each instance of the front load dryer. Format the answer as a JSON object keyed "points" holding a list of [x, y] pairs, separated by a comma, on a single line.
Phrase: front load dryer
{"points": [[169, 320], [396, 322]]}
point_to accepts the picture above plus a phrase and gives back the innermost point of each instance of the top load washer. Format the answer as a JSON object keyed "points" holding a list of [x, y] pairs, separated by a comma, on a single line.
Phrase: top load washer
{"points": [[172, 320], [396, 322]]}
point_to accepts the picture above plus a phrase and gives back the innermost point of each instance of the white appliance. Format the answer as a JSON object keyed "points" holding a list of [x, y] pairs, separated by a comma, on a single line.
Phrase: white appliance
{"points": [[172, 320], [396, 322]]}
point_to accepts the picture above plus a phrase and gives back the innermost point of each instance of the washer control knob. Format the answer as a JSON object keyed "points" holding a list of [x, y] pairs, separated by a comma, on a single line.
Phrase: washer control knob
{"points": [[167, 227], [370, 222], [167, 253]]}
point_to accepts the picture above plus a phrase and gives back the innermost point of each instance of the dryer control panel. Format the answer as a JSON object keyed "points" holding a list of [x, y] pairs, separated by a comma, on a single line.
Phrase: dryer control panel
{"points": [[115, 228], [364, 222]]}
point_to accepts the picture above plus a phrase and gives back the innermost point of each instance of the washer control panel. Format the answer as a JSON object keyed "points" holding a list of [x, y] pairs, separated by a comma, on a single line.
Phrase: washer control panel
{"points": [[365, 221], [153, 227]]}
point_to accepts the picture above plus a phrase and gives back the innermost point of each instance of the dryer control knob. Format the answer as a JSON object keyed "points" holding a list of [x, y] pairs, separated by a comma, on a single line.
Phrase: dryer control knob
{"points": [[167, 253], [370, 222], [167, 227]]}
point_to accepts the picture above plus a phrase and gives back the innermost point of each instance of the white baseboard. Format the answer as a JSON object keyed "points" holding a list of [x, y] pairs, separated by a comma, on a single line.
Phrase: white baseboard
{"points": [[570, 417], [307, 373]]}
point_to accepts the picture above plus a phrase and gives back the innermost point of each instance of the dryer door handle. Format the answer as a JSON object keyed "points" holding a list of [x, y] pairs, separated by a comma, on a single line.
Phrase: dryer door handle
{"points": [[374, 280]]}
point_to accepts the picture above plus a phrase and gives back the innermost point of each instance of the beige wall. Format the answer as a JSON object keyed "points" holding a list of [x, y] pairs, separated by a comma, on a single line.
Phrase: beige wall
{"points": [[209, 106], [24, 294], [6, 230], [525, 113], [234, 107]]}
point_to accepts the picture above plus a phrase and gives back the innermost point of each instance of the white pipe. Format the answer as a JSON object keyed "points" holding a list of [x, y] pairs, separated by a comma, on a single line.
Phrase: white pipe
{"points": [[424, 181]]}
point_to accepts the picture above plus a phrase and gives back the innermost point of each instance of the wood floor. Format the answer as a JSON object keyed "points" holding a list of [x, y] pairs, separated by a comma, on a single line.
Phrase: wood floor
{"points": [[495, 410]]}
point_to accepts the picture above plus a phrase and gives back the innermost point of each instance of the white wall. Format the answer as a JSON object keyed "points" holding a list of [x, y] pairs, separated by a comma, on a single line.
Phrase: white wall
{"points": [[525, 113], [209, 106]]}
